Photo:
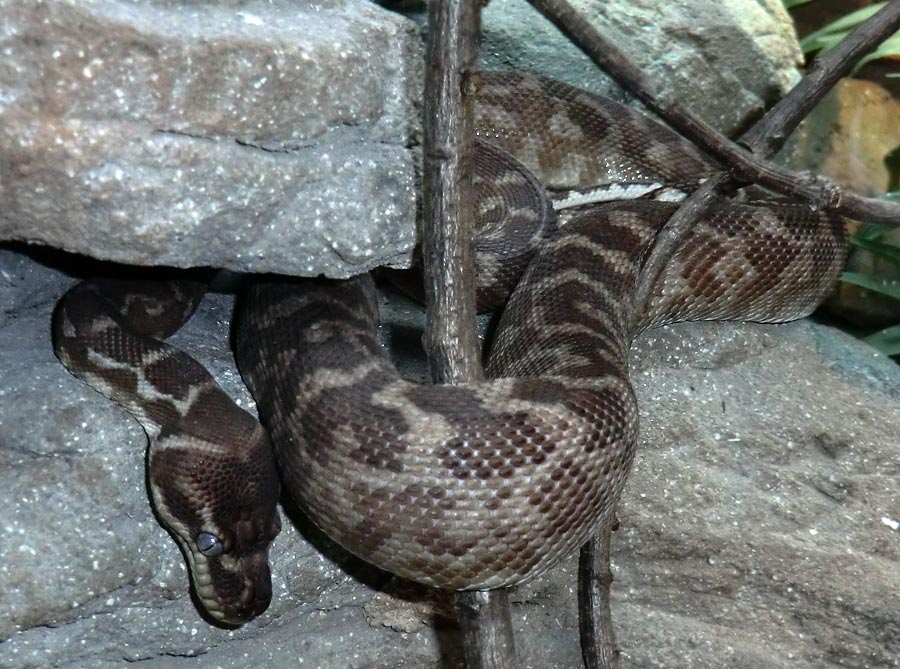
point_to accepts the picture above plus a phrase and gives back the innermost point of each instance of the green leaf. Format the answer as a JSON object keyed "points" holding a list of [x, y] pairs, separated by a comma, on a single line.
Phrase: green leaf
{"points": [[889, 287], [878, 249], [892, 163], [887, 341], [873, 231], [890, 48], [824, 42], [794, 3], [838, 28]]}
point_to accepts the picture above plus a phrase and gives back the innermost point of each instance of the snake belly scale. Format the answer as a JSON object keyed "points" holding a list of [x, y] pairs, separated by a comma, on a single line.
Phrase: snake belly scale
{"points": [[480, 485]]}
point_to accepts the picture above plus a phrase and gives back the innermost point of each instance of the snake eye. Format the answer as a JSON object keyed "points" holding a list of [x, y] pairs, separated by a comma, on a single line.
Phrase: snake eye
{"points": [[209, 545]]}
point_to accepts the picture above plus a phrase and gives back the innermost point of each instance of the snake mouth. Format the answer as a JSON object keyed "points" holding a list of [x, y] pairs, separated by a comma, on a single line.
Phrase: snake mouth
{"points": [[232, 591]]}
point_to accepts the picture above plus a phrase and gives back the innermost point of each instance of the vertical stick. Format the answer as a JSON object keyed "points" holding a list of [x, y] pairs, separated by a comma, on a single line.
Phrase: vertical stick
{"points": [[486, 627], [449, 267], [598, 638], [448, 256]]}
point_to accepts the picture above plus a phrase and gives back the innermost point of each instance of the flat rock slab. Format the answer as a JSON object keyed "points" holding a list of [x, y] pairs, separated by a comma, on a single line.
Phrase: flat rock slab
{"points": [[760, 526], [280, 135], [187, 134]]}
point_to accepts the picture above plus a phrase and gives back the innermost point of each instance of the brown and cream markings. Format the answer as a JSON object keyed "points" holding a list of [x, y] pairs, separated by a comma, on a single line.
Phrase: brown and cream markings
{"points": [[461, 487]]}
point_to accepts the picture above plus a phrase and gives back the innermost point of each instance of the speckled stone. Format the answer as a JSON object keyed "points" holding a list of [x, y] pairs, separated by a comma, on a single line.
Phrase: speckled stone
{"points": [[760, 526], [201, 133]]}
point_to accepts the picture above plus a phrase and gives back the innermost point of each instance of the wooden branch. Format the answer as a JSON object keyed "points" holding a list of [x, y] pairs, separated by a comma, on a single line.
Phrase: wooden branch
{"points": [[781, 119], [744, 165], [449, 267], [449, 221], [769, 134], [598, 639], [484, 619], [670, 238]]}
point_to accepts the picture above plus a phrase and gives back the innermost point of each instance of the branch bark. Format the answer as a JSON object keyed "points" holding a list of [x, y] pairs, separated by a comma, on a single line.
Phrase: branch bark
{"points": [[449, 268], [448, 233], [598, 638]]}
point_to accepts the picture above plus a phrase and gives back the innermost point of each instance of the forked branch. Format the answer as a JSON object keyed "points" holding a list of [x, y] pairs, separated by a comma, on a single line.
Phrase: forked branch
{"points": [[748, 165]]}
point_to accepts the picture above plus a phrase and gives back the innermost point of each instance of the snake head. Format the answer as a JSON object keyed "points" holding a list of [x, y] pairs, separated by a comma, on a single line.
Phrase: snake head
{"points": [[219, 502]]}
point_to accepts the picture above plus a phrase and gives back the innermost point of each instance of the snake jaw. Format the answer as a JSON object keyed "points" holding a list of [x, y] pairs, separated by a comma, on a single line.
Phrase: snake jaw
{"points": [[232, 590]]}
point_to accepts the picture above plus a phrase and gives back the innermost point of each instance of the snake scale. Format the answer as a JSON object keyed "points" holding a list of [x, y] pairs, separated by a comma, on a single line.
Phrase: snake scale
{"points": [[462, 487]]}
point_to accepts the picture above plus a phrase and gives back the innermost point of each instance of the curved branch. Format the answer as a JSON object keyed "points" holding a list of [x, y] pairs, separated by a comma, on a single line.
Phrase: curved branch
{"points": [[748, 166]]}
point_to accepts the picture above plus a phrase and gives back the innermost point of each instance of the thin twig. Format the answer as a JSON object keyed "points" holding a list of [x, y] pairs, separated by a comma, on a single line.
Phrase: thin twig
{"points": [[670, 238], [598, 639], [449, 268], [770, 133], [744, 165]]}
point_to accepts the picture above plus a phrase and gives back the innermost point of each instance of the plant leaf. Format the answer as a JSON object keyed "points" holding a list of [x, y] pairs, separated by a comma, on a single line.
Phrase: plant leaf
{"points": [[878, 249], [887, 341], [841, 25], [889, 287], [890, 48]]}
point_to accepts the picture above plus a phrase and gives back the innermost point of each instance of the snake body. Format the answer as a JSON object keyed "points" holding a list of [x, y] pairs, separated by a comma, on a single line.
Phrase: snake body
{"points": [[481, 485], [211, 474]]}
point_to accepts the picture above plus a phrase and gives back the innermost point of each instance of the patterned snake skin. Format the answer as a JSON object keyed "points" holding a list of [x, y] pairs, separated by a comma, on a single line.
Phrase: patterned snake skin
{"points": [[461, 487]]}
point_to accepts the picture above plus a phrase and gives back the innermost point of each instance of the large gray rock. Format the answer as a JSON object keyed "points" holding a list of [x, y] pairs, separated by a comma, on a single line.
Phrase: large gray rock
{"points": [[279, 135], [760, 526], [263, 136]]}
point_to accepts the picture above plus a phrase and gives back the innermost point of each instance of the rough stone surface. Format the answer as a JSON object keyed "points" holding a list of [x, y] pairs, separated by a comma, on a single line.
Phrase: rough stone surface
{"points": [[724, 60], [278, 135], [253, 135], [760, 526]]}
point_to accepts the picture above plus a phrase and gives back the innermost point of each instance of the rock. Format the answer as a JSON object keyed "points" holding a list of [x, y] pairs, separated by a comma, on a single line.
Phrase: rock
{"points": [[760, 525], [725, 61], [186, 134]]}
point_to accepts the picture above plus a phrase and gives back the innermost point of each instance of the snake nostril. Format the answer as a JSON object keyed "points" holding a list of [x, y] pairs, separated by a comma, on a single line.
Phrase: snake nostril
{"points": [[255, 598]]}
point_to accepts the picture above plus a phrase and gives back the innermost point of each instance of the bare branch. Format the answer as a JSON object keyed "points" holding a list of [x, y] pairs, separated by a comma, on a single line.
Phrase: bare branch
{"points": [[484, 619], [449, 267], [769, 134], [598, 639], [447, 251]]}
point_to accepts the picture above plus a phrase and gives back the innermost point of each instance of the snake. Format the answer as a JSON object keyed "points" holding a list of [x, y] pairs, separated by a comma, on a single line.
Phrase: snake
{"points": [[473, 486]]}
